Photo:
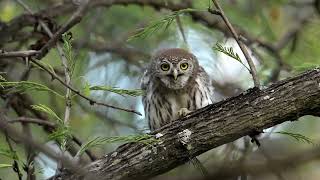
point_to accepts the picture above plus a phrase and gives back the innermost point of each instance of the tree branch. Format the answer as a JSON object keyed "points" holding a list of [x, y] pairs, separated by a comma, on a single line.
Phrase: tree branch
{"points": [[211, 127], [242, 46]]}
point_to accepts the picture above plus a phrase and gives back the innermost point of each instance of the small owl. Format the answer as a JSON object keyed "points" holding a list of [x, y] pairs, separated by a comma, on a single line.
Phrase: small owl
{"points": [[174, 84]]}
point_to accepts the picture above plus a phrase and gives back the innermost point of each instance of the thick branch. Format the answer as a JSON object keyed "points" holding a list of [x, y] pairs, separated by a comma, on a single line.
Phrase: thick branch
{"points": [[211, 127]]}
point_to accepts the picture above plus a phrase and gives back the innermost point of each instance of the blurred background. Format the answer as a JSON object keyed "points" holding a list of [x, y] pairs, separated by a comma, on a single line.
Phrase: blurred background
{"points": [[282, 36]]}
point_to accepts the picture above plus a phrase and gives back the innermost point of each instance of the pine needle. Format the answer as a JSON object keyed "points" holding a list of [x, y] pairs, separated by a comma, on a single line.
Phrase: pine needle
{"points": [[46, 109], [23, 86], [296, 136], [229, 52], [154, 26]]}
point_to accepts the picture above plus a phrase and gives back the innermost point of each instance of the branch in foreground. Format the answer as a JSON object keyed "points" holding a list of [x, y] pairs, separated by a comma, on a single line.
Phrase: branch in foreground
{"points": [[211, 127]]}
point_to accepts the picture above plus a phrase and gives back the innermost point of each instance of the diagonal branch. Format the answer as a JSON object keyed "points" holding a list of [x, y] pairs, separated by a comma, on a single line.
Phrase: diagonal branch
{"points": [[242, 46], [211, 127], [91, 101]]}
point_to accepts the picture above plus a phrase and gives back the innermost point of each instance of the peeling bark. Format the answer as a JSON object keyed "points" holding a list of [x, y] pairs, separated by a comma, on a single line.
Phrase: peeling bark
{"points": [[210, 127]]}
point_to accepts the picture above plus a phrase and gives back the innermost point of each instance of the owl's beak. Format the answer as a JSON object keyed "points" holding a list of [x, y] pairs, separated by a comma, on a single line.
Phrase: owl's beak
{"points": [[175, 74]]}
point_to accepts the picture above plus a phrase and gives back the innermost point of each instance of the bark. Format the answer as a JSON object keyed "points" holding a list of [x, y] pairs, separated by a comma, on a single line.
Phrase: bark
{"points": [[210, 127]]}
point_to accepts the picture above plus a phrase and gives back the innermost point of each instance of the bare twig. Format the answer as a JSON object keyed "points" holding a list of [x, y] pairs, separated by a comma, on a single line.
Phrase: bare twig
{"points": [[242, 46], [75, 19], [181, 29], [6, 128], [91, 101], [28, 53], [40, 122]]}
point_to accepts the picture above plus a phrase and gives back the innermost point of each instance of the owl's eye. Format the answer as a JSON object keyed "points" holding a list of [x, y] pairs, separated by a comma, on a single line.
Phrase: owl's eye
{"points": [[184, 66], [165, 66]]}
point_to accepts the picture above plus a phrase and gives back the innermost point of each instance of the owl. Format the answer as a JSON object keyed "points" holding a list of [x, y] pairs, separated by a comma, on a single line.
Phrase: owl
{"points": [[174, 84]]}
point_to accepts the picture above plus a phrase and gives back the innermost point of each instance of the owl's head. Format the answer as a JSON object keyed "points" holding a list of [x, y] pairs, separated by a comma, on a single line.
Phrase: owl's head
{"points": [[174, 68]]}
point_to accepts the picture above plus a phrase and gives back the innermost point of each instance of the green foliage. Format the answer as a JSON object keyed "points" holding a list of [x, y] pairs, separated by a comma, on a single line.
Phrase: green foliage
{"points": [[296, 136], [2, 78], [5, 165], [132, 92], [61, 135], [98, 141], [48, 66], [229, 52], [86, 88], [67, 49], [154, 26], [9, 154], [24, 86], [305, 66], [46, 109]]}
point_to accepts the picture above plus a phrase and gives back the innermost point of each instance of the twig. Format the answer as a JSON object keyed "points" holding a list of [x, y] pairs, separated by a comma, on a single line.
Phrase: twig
{"points": [[242, 46], [75, 19], [40, 122], [6, 128], [181, 29], [28, 53], [72, 21], [15, 163], [91, 101]]}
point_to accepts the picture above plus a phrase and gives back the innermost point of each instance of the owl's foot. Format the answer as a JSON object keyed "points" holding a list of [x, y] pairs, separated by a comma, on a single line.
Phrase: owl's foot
{"points": [[183, 112]]}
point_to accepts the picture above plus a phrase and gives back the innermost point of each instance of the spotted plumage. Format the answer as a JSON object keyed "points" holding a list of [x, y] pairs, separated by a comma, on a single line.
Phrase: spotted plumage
{"points": [[174, 81]]}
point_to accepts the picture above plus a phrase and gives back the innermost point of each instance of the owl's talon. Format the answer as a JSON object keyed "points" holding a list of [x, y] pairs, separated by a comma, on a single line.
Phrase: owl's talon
{"points": [[183, 112]]}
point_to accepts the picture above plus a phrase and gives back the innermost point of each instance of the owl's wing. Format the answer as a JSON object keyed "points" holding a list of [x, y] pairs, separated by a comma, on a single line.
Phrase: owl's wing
{"points": [[215, 96]]}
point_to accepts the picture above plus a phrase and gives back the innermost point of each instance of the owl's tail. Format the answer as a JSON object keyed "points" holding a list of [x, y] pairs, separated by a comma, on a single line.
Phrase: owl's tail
{"points": [[198, 165]]}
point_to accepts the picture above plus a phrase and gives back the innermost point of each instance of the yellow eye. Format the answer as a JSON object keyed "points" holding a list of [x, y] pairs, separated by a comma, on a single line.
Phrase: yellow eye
{"points": [[165, 66], [184, 66]]}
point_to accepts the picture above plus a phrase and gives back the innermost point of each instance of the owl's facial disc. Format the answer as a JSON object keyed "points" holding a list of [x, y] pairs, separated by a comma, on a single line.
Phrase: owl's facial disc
{"points": [[175, 76]]}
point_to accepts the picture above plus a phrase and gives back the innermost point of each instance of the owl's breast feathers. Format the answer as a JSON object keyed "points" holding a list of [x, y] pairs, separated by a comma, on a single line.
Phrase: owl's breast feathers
{"points": [[161, 105]]}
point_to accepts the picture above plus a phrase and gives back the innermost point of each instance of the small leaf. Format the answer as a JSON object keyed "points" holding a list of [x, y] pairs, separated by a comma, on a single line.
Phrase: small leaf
{"points": [[46, 109], [61, 134], [154, 26], [5, 165], [8, 153], [132, 92], [229, 52], [305, 66], [23, 86], [296, 136], [2, 78], [49, 67], [86, 89], [67, 49]]}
